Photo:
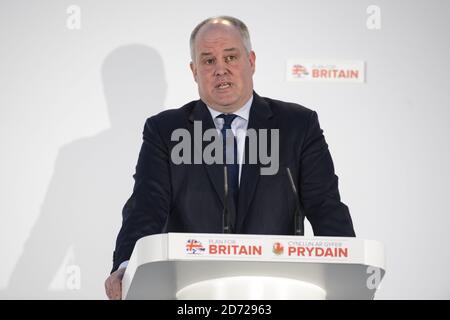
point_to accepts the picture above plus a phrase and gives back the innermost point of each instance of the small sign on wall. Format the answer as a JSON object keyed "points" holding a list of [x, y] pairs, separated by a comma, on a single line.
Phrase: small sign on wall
{"points": [[325, 70]]}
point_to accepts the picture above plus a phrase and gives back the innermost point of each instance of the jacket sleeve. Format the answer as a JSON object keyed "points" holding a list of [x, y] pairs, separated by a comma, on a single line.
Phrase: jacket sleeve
{"points": [[146, 211], [318, 186]]}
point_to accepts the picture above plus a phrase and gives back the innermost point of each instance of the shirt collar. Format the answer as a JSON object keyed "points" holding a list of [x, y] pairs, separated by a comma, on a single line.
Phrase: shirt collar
{"points": [[243, 112]]}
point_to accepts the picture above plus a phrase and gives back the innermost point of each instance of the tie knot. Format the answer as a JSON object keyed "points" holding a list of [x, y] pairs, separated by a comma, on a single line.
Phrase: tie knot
{"points": [[228, 119]]}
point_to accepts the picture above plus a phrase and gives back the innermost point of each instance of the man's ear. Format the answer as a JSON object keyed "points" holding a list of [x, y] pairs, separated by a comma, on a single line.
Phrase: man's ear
{"points": [[194, 70], [252, 59]]}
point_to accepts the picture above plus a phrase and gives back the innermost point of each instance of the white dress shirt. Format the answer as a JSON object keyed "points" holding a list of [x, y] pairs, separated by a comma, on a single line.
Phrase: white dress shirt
{"points": [[239, 128]]}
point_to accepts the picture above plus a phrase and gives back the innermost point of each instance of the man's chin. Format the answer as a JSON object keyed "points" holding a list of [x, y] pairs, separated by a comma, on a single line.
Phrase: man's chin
{"points": [[228, 108], [225, 102]]}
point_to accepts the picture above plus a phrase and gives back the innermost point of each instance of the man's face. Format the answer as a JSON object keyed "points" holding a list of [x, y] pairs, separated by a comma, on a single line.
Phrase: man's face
{"points": [[222, 67]]}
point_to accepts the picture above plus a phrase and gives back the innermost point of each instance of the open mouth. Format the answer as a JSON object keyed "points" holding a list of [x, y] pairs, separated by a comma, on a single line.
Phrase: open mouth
{"points": [[223, 85]]}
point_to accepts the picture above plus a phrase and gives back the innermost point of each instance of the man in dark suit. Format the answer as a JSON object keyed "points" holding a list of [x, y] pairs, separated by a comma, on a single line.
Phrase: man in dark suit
{"points": [[188, 197]]}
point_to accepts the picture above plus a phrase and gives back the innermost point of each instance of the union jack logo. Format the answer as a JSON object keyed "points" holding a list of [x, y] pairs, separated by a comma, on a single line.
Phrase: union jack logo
{"points": [[194, 247], [299, 71]]}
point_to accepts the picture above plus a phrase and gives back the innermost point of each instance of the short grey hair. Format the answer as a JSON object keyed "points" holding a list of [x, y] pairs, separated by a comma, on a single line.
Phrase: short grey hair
{"points": [[242, 28]]}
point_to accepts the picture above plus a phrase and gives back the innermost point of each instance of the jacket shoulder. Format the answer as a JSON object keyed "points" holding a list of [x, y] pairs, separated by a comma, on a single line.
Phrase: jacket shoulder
{"points": [[288, 109], [291, 115], [172, 118]]}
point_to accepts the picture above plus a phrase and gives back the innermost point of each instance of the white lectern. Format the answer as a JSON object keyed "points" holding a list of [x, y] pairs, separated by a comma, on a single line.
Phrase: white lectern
{"points": [[235, 266]]}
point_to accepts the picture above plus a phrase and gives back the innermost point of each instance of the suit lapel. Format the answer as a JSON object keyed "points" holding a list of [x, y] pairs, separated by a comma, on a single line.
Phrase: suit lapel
{"points": [[260, 118]]}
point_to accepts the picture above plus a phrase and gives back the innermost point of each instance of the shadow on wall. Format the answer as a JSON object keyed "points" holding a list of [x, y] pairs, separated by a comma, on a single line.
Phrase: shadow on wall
{"points": [[68, 254]]}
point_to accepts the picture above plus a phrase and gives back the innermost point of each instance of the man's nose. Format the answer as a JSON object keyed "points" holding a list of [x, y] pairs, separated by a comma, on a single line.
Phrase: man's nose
{"points": [[221, 68]]}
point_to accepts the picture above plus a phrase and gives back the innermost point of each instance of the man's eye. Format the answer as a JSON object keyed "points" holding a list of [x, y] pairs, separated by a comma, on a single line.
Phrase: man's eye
{"points": [[230, 58], [209, 61]]}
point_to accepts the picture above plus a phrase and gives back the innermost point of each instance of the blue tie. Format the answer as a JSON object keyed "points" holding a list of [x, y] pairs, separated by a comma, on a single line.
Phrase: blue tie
{"points": [[230, 156]]}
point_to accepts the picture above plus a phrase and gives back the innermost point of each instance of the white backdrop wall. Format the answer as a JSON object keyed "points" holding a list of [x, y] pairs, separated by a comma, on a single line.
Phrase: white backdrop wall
{"points": [[73, 104]]}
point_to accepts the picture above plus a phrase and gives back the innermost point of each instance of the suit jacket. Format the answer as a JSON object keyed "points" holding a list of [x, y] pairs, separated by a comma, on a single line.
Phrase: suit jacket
{"points": [[190, 197]]}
